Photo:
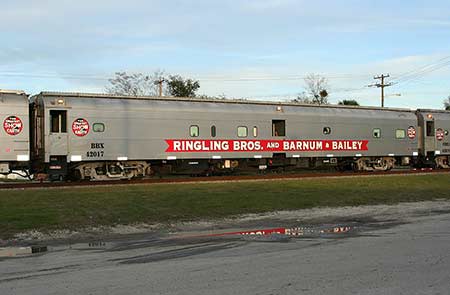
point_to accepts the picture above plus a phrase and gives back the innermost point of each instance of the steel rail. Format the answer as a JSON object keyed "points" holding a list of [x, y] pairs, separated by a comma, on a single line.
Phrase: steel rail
{"points": [[169, 180]]}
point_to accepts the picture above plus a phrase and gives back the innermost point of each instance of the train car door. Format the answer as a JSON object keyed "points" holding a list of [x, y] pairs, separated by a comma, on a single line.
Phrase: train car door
{"points": [[58, 137], [430, 139]]}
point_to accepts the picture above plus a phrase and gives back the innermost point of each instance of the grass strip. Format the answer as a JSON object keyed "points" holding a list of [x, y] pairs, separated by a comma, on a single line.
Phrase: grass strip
{"points": [[75, 208]]}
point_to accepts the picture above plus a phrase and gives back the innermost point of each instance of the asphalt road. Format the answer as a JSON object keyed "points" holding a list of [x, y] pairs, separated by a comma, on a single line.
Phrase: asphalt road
{"points": [[392, 257]]}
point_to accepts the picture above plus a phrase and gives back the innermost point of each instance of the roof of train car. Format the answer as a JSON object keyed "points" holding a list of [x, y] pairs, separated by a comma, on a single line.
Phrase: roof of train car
{"points": [[6, 91], [433, 111], [441, 115], [211, 100], [13, 98]]}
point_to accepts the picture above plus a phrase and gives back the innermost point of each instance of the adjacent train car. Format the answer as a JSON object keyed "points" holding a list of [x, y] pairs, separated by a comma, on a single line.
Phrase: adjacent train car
{"points": [[100, 136], [14, 134], [434, 137]]}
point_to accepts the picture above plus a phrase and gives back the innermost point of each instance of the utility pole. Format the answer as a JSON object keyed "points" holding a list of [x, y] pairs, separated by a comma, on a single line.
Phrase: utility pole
{"points": [[160, 83], [381, 85]]}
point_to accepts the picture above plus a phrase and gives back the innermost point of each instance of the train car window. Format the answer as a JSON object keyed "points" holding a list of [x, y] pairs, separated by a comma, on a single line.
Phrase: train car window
{"points": [[98, 127], [430, 128], [278, 127], [58, 121], [376, 132], [55, 123], [326, 130], [400, 133], [63, 122], [242, 131], [255, 131], [213, 131], [194, 131]]}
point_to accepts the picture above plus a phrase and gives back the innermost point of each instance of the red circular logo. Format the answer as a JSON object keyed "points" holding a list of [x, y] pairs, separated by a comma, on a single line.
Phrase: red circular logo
{"points": [[80, 127], [411, 132], [13, 125], [439, 134]]}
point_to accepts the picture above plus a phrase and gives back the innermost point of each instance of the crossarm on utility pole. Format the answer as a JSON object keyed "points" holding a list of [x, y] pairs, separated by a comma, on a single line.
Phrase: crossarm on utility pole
{"points": [[381, 85]]}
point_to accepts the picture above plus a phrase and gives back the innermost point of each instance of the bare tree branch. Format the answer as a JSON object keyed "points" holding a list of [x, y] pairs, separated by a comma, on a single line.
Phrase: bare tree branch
{"points": [[316, 90], [135, 84], [316, 86]]}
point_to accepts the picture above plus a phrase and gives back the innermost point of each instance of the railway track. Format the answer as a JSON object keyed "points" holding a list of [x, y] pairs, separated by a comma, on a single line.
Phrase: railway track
{"points": [[43, 185]]}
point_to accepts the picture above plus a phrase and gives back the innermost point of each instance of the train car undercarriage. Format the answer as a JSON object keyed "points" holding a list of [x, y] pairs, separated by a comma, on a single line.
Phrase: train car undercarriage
{"points": [[110, 170]]}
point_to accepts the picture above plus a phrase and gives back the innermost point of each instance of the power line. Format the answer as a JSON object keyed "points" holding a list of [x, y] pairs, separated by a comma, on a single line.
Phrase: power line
{"points": [[422, 74], [402, 78], [347, 90], [414, 71], [422, 71], [275, 78]]}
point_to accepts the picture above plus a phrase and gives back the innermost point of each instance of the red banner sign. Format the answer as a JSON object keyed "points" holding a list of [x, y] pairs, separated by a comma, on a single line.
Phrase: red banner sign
{"points": [[184, 145]]}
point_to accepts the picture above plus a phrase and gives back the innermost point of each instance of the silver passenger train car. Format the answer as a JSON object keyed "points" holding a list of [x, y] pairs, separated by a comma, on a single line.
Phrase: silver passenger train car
{"points": [[14, 134], [434, 139], [98, 136]]}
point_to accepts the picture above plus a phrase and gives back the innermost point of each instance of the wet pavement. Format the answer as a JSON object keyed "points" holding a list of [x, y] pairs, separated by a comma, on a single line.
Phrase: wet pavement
{"points": [[347, 256]]}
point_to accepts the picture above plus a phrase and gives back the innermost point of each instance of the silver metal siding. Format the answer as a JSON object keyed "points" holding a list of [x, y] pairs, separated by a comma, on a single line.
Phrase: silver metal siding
{"points": [[14, 104], [136, 129], [441, 121]]}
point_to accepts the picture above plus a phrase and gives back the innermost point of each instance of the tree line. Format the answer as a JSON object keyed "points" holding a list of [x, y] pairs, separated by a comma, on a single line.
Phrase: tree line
{"points": [[156, 84], [161, 84]]}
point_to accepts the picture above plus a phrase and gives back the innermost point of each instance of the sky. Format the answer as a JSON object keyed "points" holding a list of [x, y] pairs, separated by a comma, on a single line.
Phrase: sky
{"points": [[253, 49]]}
